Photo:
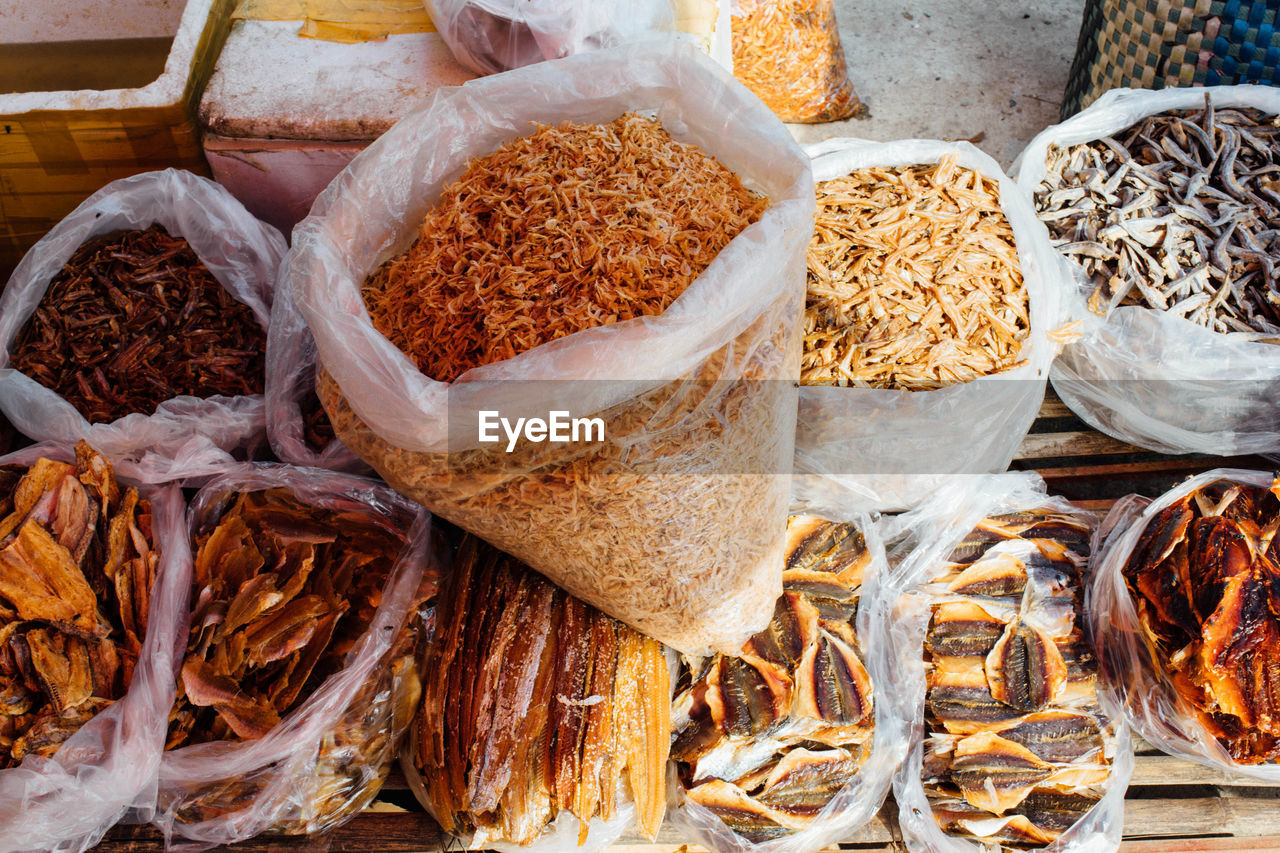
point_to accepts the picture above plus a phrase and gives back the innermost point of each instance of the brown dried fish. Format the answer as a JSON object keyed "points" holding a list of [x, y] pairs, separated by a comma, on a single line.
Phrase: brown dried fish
{"points": [[766, 739], [1180, 213], [74, 598]]}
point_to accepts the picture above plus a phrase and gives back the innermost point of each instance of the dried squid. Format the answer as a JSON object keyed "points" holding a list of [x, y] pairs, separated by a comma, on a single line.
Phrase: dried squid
{"points": [[77, 567], [1016, 746], [1205, 581], [766, 739], [535, 704]]}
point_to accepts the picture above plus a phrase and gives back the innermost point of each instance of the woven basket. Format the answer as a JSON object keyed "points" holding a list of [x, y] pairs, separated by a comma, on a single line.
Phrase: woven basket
{"points": [[1150, 44]]}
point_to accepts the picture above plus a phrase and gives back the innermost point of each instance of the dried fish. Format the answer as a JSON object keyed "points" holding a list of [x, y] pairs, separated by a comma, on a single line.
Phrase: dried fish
{"points": [[1178, 213], [765, 740], [77, 565], [1205, 581], [914, 280], [535, 703], [1017, 747]]}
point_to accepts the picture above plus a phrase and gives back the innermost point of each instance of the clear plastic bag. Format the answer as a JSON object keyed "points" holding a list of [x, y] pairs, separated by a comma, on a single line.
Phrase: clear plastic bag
{"points": [[923, 538], [855, 804], [185, 436], [698, 402], [1144, 376], [109, 766], [291, 386], [788, 53], [892, 448], [1150, 702], [491, 36], [328, 757]]}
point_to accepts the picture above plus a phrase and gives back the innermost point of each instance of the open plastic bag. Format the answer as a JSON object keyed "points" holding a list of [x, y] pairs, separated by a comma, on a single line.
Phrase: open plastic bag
{"points": [[673, 523], [925, 537], [185, 436], [109, 766], [1144, 376], [328, 757], [1150, 702], [856, 803], [291, 394], [490, 36], [894, 447]]}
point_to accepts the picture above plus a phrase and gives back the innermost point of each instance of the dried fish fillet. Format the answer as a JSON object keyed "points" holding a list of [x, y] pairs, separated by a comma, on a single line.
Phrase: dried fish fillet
{"points": [[914, 281], [77, 565], [1017, 747], [1205, 583], [766, 739], [535, 703]]}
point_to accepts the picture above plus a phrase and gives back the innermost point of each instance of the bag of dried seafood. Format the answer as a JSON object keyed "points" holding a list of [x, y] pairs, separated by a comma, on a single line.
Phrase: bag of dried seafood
{"points": [[297, 425], [670, 516], [791, 746], [138, 323], [490, 36], [1184, 603], [309, 601], [929, 322], [1016, 742], [93, 585], [1166, 205]]}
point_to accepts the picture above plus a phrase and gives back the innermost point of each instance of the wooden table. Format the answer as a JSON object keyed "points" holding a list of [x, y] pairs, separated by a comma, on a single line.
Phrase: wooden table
{"points": [[1172, 806]]}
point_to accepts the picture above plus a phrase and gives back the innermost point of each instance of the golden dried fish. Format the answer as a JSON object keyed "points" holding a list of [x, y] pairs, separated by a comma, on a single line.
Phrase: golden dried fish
{"points": [[536, 703], [1017, 747], [73, 601], [766, 739], [914, 280]]}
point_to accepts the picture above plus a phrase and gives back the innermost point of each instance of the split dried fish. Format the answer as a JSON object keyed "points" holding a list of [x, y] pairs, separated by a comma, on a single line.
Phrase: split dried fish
{"points": [[765, 740], [1017, 748], [914, 281], [1205, 580], [535, 703], [77, 566], [1180, 213]]}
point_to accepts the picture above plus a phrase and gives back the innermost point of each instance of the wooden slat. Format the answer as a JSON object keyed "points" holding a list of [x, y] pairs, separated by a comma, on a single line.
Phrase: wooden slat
{"points": [[1202, 845], [1167, 770], [406, 832], [1240, 816], [1046, 445]]}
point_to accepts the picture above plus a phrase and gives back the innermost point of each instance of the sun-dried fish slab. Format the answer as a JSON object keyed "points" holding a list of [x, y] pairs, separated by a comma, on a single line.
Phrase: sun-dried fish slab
{"points": [[73, 613], [1024, 669], [766, 739], [536, 703]]}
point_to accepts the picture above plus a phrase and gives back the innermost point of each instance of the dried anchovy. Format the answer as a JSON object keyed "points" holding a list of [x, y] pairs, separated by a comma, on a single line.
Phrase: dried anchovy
{"points": [[914, 281], [77, 566], [281, 591], [569, 228], [1205, 581], [765, 740], [788, 53], [535, 703], [1180, 213], [1017, 748], [134, 319]]}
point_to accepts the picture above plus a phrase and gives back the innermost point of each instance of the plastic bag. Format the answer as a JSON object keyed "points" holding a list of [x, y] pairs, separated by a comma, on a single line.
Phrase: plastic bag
{"points": [[788, 53], [1150, 702], [291, 389], [893, 447], [185, 436], [328, 757], [698, 428], [1145, 376], [490, 36], [925, 537], [855, 804], [68, 802]]}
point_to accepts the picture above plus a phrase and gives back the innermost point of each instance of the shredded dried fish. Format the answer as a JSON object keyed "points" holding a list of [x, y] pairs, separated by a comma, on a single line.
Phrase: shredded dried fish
{"points": [[914, 281], [569, 228], [1179, 213]]}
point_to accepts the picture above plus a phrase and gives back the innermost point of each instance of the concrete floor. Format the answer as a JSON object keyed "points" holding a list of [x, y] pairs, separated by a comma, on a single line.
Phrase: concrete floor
{"points": [[954, 69]]}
